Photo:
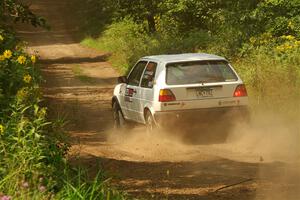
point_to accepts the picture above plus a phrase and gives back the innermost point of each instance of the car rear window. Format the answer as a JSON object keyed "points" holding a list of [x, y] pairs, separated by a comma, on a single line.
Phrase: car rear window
{"points": [[199, 72]]}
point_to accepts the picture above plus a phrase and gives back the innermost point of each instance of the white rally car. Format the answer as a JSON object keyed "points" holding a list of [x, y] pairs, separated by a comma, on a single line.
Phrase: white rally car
{"points": [[164, 89]]}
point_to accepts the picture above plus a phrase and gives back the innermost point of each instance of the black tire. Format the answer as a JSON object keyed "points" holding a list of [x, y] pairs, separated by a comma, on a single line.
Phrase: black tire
{"points": [[119, 121], [150, 123]]}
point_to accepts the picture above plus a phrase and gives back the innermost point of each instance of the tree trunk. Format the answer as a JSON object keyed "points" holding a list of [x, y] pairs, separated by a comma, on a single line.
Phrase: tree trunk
{"points": [[151, 23]]}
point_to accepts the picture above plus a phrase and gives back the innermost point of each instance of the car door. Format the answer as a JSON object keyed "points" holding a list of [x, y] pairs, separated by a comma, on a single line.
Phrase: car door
{"points": [[133, 90], [145, 96]]}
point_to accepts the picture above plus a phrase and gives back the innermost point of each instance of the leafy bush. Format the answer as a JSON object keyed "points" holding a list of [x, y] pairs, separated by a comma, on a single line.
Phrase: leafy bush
{"points": [[129, 41], [32, 152], [270, 67], [27, 151], [126, 40]]}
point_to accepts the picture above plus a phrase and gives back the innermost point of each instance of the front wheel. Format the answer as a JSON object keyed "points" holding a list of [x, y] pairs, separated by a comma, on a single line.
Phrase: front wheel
{"points": [[119, 121]]}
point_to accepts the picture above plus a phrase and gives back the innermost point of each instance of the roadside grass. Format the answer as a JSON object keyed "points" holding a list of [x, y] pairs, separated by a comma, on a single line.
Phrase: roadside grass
{"points": [[92, 43], [118, 60], [77, 185], [78, 72]]}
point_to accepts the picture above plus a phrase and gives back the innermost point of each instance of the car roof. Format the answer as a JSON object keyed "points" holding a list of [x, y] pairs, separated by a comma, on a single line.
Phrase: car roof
{"points": [[183, 57]]}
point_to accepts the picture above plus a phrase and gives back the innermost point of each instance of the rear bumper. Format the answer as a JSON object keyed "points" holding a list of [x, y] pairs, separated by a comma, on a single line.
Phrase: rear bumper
{"points": [[204, 115]]}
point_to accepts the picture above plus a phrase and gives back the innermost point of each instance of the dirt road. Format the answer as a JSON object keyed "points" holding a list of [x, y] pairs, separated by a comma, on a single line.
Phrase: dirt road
{"points": [[78, 87]]}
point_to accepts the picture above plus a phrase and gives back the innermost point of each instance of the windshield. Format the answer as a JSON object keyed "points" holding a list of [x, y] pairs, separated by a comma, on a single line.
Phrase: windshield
{"points": [[199, 72]]}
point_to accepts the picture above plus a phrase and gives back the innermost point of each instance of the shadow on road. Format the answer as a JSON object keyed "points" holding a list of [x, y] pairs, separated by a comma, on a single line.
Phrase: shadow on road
{"points": [[75, 60], [178, 180]]}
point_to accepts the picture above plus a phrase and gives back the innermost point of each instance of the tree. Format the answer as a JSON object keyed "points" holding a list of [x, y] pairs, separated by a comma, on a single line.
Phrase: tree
{"points": [[141, 10], [279, 17], [15, 11]]}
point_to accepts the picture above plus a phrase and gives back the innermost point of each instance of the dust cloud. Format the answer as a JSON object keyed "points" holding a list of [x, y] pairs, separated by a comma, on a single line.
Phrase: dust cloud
{"points": [[156, 146], [275, 140], [267, 138], [268, 135], [270, 140]]}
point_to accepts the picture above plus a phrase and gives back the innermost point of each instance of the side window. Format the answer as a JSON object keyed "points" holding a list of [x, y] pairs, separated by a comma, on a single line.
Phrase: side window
{"points": [[148, 76], [135, 75]]}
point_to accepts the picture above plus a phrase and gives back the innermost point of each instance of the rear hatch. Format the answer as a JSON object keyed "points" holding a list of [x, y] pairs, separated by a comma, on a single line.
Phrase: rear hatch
{"points": [[203, 84]]}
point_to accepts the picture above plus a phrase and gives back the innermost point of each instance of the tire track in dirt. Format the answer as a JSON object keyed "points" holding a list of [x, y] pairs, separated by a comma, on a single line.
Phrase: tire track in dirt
{"points": [[79, 84]]}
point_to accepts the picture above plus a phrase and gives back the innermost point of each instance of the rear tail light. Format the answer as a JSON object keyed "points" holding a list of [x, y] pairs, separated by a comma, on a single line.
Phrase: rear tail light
{"points": [[240, 91], [166, 95]]}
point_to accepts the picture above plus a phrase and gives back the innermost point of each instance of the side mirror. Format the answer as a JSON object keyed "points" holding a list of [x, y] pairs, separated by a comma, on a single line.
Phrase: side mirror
{"points": [[122, 79]]}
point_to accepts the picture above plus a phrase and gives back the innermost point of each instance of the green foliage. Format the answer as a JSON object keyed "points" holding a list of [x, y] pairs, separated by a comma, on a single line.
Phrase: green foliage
{"points": [[17, 73], [278, 17], [28, 146], [13, 10], [270, 67], [94, 15], [79, 187], [32, 149], [129, 41], [141, 10], [262, 38]]}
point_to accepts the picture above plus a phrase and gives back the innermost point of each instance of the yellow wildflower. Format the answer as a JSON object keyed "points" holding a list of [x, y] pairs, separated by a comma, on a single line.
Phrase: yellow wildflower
{"points": [[1, 129], [252, 40], [33, 59], [22, 93], [284, 47], [288, 37], [266, 36], [42, 112], [27, 78], [297, 43], [21, 59], [25, 120], [287, 46], [7, 54], [1, 38], [2, 58], [280, 48], [291, 25]]}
